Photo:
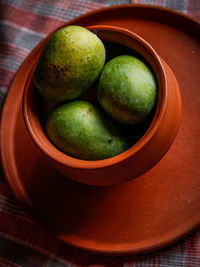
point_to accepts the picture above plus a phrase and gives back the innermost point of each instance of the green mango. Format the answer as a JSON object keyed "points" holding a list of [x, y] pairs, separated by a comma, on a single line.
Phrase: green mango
{"points": [[70, 62], [84, 131], [127, 90]]}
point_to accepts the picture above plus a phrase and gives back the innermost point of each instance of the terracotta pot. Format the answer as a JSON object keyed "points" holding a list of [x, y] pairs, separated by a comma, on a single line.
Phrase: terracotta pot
{"points": [[148, 150]]}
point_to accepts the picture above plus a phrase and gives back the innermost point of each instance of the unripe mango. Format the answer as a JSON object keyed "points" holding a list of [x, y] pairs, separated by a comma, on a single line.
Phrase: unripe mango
{"points": [[127, 89], [70, 62], [84, 131]]}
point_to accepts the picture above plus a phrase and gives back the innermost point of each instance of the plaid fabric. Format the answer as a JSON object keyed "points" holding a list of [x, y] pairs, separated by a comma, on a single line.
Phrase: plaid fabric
{"points": [[23, 242]]}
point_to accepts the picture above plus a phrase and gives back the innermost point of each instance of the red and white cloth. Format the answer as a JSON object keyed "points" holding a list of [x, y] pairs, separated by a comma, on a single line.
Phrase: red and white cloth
{"points": [[23, 23]]}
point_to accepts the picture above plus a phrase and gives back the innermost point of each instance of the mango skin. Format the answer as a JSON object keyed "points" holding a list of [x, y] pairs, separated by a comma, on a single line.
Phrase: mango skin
{"points": [[82, 130], [127, 90], [69, 63]]}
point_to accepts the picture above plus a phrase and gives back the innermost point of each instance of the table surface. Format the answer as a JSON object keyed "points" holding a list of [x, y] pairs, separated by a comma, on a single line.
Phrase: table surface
{"points": [[22, 25]]}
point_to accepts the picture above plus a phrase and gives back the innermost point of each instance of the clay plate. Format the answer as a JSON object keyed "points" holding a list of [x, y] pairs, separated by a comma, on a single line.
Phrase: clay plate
{"points": [[146, 213]]}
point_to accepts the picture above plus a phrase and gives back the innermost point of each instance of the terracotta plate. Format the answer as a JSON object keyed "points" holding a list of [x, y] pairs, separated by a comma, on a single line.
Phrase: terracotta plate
{"points": [[147, 213]]}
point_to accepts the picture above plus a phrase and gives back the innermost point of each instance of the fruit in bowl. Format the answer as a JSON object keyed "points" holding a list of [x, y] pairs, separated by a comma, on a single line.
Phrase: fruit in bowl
{"points": [[82, 130], [127, 89], [70, 62], [161, 123]]}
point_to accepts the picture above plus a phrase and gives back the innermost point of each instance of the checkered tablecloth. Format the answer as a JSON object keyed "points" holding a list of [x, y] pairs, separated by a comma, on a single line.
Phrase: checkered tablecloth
{"points": [[22, 241]]}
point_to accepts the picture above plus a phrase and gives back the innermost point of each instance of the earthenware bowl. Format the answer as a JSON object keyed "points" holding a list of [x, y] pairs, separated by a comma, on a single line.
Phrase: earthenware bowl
{"points": [[142, 155]]}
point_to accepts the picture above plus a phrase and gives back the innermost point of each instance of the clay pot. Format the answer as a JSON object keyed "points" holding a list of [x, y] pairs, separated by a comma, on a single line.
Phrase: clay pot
{"points": [[146, 152]]}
